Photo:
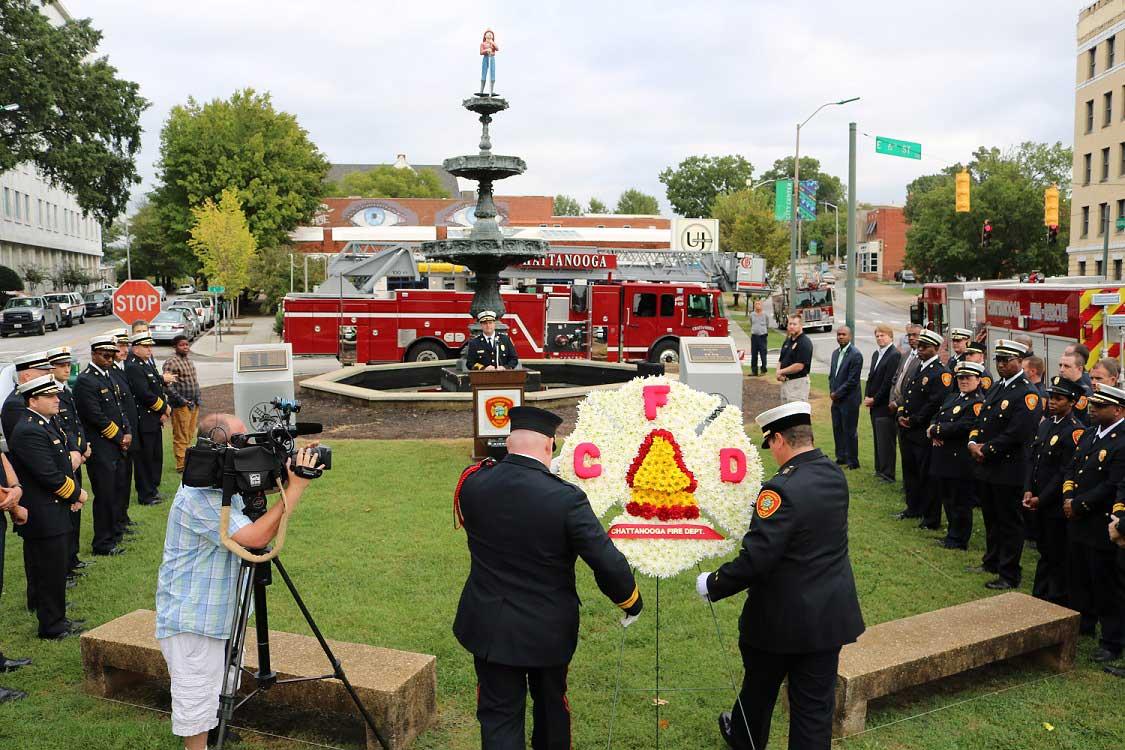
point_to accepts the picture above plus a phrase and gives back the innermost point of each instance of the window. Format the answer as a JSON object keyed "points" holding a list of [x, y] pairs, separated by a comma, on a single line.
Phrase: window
{"points": [[1120, 212], [644, 305], [1121, 166], [699, 306], [39, 213], [27, 208], [1097, 268], [1087, 162], [1081, 268], [7, 204], [1117, 269], [1085, 222], [1090, 116], [1103, 217], [667, 305], [1107, 118], [1105, 164], [19, 211], [1091, 63], [1110, 52]]}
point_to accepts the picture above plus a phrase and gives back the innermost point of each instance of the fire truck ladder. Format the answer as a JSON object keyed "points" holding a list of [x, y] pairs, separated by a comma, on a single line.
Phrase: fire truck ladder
{"points": [[715, 268], [358, 272]]}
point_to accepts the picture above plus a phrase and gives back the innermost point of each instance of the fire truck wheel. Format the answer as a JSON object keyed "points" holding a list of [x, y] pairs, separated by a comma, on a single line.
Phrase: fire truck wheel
{"points": [[667, 352], [426, 351]]}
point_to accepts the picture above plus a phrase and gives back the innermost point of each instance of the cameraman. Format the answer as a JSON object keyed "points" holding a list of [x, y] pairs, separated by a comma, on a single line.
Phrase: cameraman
{"points": [[195, 591]]}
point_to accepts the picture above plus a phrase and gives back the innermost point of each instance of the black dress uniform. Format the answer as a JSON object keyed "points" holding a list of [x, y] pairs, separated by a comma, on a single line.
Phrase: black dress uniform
{"points": [[1051, 453], [124, 476], [518, 613], [1091, 485], [152, 401], [922, 397], [951, 467], [76, 434], [501, 352], [801, 604], [1008, 423], [99, 406], [41, 457]]}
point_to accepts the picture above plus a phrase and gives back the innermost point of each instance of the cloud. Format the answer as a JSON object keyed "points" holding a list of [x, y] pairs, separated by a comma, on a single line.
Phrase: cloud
{"points": [[605, 95]]}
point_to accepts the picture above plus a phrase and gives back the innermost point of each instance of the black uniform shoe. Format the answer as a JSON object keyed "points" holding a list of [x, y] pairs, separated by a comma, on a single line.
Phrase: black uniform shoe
{"points": [[999, 585], [1104, 654], [8, 694], [931, 527], [11, 665], [69, 633], [724, 729], [946, 544], [1115, 671], [149, 501], [840, 462], [81, 564], [116, 550], [977, 569], [903, 515]]}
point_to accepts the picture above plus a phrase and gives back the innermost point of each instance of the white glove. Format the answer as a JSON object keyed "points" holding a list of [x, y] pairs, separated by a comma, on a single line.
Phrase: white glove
{"points": [[701, 586], [629, 620]]}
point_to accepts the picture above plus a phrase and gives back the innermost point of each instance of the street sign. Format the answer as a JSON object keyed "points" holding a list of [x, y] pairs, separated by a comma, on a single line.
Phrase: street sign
{"points": [[808, 200], [895, 147], [136, 300], [1106, 298], [812, 247], [216, 289], [783, 200]]}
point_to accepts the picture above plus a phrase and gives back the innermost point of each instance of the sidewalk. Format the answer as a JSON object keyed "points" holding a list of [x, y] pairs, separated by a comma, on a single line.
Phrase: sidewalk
{"points": [[892, 294], [245, 330]]}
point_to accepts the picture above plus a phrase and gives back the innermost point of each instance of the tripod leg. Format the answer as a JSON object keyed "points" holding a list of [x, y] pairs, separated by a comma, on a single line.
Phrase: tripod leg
{"points": [[235, 646], [337, 669]]}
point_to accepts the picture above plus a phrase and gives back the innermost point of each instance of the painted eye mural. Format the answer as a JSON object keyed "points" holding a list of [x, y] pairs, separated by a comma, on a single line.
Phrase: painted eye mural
{"points": [[376, 216], [465, 216]]}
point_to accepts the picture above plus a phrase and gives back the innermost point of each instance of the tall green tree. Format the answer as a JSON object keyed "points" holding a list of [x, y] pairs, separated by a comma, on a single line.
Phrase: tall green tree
{"points": [[270, 273], [633, 201], [222, 240], [746, 225], [77, 122], [692, 186], [566, 206], [150, 250], [1007, 191], [596, 207], [245, 144], [388, 182]]}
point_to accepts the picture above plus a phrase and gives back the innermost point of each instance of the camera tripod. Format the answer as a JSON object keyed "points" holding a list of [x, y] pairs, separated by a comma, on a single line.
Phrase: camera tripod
{"points": [[253, 578]]}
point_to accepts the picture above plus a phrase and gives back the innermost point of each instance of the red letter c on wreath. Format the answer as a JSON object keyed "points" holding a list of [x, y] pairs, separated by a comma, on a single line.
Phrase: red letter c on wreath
{"points": [[581, 469], [727, 472]]}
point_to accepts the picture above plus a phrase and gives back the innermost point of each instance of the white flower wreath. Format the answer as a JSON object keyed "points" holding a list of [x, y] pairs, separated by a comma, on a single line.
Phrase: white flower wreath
{"points": [[616, 423]]}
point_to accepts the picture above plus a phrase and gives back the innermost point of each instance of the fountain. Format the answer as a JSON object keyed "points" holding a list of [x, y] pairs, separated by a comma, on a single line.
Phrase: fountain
{"points": [[486, 252]]}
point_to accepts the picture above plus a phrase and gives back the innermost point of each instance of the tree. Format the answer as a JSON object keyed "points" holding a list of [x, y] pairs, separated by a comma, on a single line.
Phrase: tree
{"points": [[77, 122], [221, 239], [746, 225], [566, 206], [241, 143], [830, 189], [692, 187], [10, 281], [597, 207], [635, 202], [388, 182], [269, 274], [151, 251], [34, 276], [1007, 191]]}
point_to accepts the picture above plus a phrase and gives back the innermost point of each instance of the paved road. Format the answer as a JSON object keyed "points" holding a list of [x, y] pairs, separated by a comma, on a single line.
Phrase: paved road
{"points": [[869, 311]]}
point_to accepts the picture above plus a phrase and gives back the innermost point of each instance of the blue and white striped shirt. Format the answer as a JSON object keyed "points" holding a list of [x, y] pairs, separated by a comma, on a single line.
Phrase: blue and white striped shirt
{"points": [[195, 588]]}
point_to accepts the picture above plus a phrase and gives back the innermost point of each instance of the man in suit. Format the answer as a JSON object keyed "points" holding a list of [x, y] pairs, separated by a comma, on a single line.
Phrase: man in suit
{"points": [[951, 468], [880, 378], [1000, 446], [490, 350], [98, 398], [154, 409], [518, 613], [41, 457], [843, 388], [801, 604], [921, 399]]}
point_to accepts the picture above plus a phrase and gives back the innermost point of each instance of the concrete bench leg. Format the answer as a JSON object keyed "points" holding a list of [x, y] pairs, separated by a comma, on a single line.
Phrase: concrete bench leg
{"points": [[851, 715], [1060, 657], [106, 682]]}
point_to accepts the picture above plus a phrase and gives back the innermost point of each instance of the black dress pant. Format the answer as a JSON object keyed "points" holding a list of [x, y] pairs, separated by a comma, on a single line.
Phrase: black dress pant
{"points": [[883, 428], [758, 348], [148, 465], [1051, 570], [123, 488], [103, 468], [955, 496], [49, 566], [75, 524], [29, 575], [1001, 506], [916, 476], [812, 697], [845, 423], [501, 696], [1097, 591]]}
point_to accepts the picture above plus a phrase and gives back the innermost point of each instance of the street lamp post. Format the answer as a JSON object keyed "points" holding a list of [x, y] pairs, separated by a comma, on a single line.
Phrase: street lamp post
{"points": [[794, 214], [836, 209]]}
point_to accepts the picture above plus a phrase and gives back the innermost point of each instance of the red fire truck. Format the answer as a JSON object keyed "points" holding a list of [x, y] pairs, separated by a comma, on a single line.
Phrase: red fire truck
{"points": [[612, 321]]}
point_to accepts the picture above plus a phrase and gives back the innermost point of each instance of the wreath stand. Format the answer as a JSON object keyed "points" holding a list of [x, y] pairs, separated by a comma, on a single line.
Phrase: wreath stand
{"points": [[657, 701]]}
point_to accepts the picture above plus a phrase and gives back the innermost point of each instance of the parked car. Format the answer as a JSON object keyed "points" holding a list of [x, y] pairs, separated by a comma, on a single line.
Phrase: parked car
{"points": [[198, 308], [186, 289], [71, 305], [208, 312], [907, 277], [28, 315], [197, 322], [173, 322], [98, 303]]}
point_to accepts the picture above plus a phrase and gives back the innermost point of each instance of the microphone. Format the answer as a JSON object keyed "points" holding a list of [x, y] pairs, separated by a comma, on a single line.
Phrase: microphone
{"points": [[306, 428]]}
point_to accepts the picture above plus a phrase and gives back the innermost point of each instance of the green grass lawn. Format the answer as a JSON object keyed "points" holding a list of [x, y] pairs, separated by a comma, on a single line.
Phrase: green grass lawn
{"points": [[375, 556]]}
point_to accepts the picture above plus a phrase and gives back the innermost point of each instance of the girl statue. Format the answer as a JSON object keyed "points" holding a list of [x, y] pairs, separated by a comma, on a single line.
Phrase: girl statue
{"points": [[488, 50]]}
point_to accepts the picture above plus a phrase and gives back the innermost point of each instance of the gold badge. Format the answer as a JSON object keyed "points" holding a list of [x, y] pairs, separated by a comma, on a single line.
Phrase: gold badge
{"points": [[1101, 454], [925, 380], [986, 382], [1054, 439], [956, 409], [1004, 404]]}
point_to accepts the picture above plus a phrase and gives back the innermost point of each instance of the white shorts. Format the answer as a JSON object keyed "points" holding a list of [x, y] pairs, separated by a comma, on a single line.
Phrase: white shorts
{"points": [[195, 664]]}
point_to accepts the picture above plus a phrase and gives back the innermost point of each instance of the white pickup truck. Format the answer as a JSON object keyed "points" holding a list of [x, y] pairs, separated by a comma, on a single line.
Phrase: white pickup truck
{"points": [[71, 306]]}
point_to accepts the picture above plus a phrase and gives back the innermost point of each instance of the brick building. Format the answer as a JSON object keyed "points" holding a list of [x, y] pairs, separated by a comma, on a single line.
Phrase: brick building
{"points": [[881, 242]]}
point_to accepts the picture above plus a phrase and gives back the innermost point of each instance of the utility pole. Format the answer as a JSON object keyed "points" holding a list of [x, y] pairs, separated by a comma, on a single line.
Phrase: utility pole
{"points": [[851, 233]]}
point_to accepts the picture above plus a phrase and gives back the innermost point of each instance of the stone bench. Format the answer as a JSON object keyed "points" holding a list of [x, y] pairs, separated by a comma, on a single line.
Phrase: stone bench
{"points": [[397, 687], [903, 653]]}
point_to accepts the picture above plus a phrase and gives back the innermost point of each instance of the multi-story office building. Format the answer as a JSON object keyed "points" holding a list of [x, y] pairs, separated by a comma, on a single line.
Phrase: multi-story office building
{"points": [[1098, 199]]}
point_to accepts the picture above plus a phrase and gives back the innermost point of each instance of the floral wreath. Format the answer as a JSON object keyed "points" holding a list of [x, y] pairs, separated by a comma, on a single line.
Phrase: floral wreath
{"points": [[676, 460]]}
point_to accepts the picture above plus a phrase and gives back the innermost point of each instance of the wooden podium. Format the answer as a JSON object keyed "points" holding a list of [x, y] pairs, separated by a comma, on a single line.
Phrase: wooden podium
{"points": [[495, 392]]}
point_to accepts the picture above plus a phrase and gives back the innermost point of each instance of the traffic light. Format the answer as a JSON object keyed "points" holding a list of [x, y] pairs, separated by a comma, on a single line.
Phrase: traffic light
{"points": [[1051, 207], [962, 200], [1052, 234], [986, 234]]}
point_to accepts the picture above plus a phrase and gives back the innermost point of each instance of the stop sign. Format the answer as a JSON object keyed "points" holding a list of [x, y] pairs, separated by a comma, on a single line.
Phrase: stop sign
{"points": [[136, 300]]}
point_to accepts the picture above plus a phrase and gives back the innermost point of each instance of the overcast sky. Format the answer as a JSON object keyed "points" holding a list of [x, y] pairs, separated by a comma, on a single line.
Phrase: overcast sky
{"points": [[605, 95]]}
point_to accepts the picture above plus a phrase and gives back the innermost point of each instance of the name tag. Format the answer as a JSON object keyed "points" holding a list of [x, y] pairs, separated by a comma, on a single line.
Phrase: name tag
{"points": [[105, 390], [55, 441]]}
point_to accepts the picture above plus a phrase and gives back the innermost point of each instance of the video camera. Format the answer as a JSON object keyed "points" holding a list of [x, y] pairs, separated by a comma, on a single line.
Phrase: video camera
{"points": [[252, 464]]}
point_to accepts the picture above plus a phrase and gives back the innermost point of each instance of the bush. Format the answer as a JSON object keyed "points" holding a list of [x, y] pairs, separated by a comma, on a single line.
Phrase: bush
{"points": [[279, 322], [10, 281]]}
